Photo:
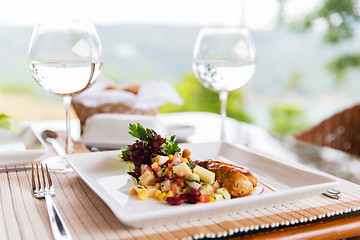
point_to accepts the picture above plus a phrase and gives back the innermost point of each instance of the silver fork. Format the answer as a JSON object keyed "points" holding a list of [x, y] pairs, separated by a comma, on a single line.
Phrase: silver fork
{"points": [[44, 189]]}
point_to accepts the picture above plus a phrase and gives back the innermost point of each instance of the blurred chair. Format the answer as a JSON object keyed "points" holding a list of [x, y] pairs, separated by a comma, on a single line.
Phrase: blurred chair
{"points": [[340, 131]]}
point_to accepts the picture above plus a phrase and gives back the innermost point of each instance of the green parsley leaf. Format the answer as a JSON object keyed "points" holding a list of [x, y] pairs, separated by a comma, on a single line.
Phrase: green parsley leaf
{"points": [[171, 146], [190, 180], [138, 131], [191, 165]]}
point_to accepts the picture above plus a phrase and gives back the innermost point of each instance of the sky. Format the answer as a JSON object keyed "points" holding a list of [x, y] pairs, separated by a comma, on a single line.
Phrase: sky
{"points": [[255, 14]]}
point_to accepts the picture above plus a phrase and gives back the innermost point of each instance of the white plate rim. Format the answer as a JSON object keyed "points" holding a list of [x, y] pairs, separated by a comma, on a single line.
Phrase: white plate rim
{"points": [[188, 211]]}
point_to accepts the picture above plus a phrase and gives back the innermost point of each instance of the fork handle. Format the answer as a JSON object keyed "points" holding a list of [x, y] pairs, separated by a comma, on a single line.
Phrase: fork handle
{"points": [[58, 227]]}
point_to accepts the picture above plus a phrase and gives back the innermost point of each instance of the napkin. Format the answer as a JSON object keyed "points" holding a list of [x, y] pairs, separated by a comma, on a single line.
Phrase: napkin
{"points": [[150, 95]]}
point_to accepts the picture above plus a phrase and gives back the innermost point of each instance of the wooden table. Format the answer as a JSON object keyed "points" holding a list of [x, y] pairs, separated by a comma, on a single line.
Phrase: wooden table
{"points": [[347, 226], [93, 212]]}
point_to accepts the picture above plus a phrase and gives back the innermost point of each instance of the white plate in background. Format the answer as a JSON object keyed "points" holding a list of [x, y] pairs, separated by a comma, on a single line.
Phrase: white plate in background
{"points": [[111, 130], [20, 148], [103, 173]]}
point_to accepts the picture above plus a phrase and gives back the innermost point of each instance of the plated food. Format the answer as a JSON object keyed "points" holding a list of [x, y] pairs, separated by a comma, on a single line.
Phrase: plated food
{"points": [[165, 172], [110, 180]]}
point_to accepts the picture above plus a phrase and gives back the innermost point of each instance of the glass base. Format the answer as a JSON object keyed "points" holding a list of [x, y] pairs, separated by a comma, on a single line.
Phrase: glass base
{"points": [[57, 164]]}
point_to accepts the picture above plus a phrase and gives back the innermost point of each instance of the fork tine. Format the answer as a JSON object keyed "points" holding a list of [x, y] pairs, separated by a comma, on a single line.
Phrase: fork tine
{"points": [[33, 178], [38, 177], [43, 177], [48, 176]]}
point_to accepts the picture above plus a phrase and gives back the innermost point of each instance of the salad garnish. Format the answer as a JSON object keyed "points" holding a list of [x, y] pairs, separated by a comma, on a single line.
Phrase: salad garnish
{"points": [[148, 145], [9, 123], [162, 171]]}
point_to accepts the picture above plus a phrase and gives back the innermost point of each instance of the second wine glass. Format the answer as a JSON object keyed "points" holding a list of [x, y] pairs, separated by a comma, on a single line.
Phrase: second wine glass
{"points": [[65, 59], [223, 61]]}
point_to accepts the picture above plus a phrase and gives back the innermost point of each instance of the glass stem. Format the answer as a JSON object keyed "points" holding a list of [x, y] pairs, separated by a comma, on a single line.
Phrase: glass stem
{"points": [[223, 101], [67, 104]]}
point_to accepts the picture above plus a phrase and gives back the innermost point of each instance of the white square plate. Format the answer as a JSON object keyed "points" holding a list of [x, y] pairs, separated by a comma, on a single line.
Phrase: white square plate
{"points": [[103, 173], [20, 148]]}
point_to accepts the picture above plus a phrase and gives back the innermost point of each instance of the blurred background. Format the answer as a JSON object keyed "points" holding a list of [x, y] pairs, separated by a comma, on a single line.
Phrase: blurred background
{"points": [[308, 55]]}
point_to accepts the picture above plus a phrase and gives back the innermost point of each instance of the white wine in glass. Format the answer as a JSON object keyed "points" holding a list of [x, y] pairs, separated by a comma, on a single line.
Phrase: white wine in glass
{"points": [[223, 61], [65, 58]]}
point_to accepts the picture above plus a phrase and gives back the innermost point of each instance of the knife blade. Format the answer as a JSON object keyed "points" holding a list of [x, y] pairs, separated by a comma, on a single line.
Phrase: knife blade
{"points": [[14, 169]]}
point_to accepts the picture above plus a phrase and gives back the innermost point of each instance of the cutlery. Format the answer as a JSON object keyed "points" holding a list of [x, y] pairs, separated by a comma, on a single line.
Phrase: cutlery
{"points": [[14, 169], [43, 188], [50, 137], [58, 163], [333, 193]]}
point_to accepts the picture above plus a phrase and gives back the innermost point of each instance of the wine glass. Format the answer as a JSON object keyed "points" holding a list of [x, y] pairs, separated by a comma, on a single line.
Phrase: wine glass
{"points": [[65, 58], [223, 61]]}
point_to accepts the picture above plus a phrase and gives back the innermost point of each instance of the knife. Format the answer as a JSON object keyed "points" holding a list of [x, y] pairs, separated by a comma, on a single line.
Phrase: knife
{"points": [[14, 169]]}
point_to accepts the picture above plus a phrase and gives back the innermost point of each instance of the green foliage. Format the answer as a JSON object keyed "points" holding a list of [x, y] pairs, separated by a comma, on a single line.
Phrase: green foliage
{"points": [[14, 87], [138, 131], [339, 65], [146, 135], [287, 120], [336, 32], [345, 9], [341, 29], [198, 98], [170, 146]]}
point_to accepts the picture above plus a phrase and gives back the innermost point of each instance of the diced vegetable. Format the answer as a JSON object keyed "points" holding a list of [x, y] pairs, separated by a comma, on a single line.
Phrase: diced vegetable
{"points": [[165, 186], [206, 189], [193, 177], [204, 198], [180, 180], [157, 169], [193, 185], [151, 190], [186, 153], [216, 185], [169, 194], [161, 196], [144, 167], [160, 160], [176, 157], [165, 172], [159, 173], [132, 191], [157, 193], [182, 169], [175, 188], [205, 175], [218, 197], [147, 178], [170, 174], [226, 195], [142, 192]]}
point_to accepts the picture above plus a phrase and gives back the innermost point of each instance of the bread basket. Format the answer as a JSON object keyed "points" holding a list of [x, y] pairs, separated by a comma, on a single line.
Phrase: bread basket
{"points": [[138, 99]]}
